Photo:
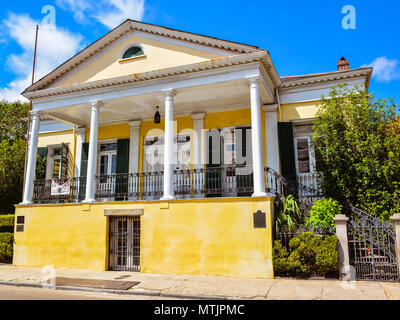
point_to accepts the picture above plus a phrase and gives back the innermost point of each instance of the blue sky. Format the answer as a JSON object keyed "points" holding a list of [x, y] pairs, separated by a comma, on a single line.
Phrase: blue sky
{"points": [[301, 36]]}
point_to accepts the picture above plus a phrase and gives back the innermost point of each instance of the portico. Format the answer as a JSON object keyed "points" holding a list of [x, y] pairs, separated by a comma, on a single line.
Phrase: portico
{"points": [[205, 89]]}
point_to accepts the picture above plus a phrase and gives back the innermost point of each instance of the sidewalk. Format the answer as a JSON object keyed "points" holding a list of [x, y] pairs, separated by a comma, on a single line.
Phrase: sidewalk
{"points": [[211, 287]]}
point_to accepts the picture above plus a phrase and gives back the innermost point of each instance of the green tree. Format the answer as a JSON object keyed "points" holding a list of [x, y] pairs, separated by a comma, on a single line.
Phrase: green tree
{"points": [[357, 144], [13, 129]]}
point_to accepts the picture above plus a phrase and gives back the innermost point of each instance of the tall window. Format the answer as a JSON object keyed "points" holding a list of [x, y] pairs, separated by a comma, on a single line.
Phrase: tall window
{"points": [[57, 162], [107, 158], [305, 162]]}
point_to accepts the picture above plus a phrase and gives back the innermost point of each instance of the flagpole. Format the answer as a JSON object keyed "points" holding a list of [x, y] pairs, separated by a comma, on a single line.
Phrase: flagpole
{"points": [[30, 105]]}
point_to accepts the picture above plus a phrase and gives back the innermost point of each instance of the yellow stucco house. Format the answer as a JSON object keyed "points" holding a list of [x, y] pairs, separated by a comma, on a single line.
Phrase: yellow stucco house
{"points": [[161, 151]]}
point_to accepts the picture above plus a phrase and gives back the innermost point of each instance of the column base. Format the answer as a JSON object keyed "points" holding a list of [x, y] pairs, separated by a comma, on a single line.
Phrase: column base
{"points": [[166, 198], [26, 203], [89, 201], [259, 195]]}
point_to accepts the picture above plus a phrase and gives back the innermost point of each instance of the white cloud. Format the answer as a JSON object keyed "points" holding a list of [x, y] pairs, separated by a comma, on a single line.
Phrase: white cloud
{"points": [[123, 9], [385, 70], [54, 47], [79, 7], [110, 13]]}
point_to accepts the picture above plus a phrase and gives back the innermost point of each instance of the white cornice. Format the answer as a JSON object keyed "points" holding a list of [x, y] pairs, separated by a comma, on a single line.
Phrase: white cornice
{"points": [[261, 57], [318, 79]]}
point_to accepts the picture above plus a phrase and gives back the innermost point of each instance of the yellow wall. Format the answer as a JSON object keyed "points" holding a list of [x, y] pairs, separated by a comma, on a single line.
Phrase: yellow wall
{"points": [[202, 236], [159, 55], [298, 111], [118, 131]]}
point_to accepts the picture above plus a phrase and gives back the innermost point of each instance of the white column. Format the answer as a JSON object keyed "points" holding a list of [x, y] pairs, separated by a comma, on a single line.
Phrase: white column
{"points": [[80, 138], [271, 135], [32, 153], [198, 148], [256, 139], [169, 145], [134, 146], [92, 157]]}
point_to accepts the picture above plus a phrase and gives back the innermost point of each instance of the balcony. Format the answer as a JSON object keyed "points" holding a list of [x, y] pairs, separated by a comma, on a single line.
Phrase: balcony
{"points": [[228, 181]]}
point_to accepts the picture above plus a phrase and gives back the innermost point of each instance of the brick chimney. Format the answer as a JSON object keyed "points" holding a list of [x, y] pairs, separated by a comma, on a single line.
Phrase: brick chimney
{"points": [[343, 64]]}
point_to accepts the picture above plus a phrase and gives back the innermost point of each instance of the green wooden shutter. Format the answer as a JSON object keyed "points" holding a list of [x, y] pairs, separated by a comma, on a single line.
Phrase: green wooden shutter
{"points": [[41, 163], [286, 150], [123, 156], [64, 161], [121, 182], [83, 171]]}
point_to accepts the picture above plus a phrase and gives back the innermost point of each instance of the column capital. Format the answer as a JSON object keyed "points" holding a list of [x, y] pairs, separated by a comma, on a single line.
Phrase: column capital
{"points": [[80, 130], [168, 92], [254, 80], [97, 104], [135, 123], [34, 113], [198, 116], [270, 107]]}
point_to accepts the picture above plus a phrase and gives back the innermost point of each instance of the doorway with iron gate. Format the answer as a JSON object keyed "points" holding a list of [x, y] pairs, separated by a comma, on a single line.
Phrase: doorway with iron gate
{"points": [[372, 247], [124, 235]]}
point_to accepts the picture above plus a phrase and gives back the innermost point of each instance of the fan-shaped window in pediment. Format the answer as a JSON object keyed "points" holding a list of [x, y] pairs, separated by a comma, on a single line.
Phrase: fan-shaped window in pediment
{"points": [[133, 51]]}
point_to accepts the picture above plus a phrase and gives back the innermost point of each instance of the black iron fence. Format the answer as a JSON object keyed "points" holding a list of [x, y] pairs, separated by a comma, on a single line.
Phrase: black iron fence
{"points": [[227, 181]]}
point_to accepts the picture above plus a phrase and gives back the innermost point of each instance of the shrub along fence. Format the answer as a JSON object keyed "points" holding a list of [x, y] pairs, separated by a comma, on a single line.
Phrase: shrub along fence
{"points": [[306, 255], [6, 238], [309, 248]]}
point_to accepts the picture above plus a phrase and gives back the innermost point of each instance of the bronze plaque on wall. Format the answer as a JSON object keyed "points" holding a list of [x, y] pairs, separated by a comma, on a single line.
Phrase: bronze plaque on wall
{"points": [[260, 220]]}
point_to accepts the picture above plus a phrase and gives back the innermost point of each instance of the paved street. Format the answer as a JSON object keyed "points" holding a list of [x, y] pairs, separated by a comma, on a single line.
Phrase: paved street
{"points": [[24, 293]]}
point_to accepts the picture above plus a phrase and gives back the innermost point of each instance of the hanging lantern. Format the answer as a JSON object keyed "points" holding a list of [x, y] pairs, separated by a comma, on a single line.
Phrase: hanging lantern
{"points": [[157, 117]]}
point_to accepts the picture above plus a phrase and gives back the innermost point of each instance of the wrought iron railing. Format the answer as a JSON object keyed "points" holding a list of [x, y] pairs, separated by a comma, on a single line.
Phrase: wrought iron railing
{"points": [[226, 181], [43, 193]]}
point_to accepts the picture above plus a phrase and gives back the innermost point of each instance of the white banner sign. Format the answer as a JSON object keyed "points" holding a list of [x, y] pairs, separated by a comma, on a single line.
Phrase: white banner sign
{"points": [[60, 187]]}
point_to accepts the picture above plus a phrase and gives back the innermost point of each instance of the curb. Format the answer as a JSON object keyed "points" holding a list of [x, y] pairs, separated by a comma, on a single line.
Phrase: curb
{"points": [[111, 291]]}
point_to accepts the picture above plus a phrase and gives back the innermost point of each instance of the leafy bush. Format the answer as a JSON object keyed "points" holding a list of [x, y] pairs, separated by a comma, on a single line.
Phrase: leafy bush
{"points": [[322, 213], [7, 223], [311, 255], [6, 246], [6, 252], [7, 238]]}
